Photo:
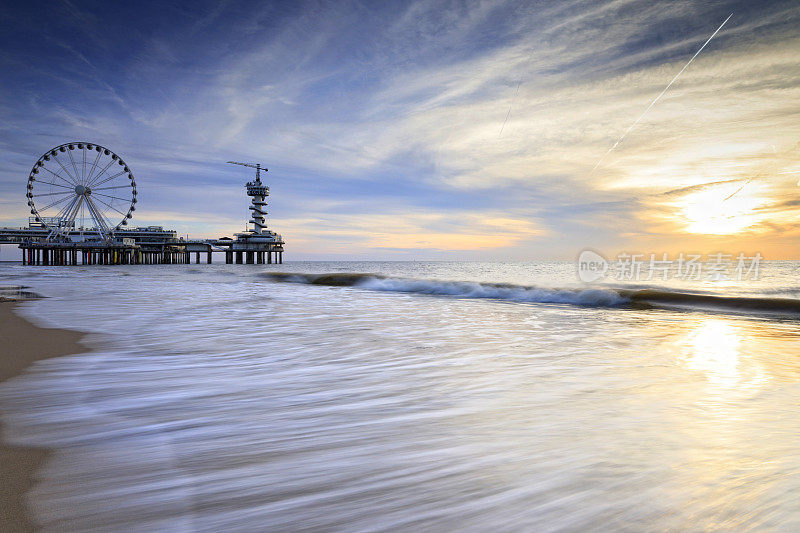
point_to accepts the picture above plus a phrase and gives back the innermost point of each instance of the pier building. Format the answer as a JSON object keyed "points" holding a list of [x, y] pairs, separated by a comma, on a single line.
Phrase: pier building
{"points": [[82, 196]]}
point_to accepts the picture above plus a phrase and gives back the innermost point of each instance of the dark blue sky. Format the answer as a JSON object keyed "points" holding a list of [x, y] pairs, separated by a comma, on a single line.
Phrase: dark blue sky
{"points": [[380, 121]]}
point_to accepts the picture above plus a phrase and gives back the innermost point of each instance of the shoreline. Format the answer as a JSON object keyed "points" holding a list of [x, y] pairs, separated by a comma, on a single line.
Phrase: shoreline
{"points": [[22, 344]]}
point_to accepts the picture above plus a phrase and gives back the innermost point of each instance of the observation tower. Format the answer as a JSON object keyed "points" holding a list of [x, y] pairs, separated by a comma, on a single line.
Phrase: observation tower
{"points": [[259, 242], [258, 192]]}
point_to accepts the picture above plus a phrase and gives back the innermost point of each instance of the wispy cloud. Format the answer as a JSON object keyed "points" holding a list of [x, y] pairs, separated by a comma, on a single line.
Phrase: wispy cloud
{"points": [[380, 124]]}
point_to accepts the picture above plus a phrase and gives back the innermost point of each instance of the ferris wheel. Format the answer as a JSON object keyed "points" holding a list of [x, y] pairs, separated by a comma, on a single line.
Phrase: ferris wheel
{"points": [[81, 186]]}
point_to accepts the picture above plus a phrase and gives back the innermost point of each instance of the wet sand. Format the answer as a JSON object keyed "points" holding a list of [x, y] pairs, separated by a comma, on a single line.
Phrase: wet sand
{"points": [[21, 345]]}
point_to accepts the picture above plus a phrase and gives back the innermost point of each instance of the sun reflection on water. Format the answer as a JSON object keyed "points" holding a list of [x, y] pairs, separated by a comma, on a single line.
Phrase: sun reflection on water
{"points": [[716, 349]]}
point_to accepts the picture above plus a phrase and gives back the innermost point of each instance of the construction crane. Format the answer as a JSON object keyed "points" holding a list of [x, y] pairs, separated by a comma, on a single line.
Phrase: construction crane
{"points": [[257, 166]]}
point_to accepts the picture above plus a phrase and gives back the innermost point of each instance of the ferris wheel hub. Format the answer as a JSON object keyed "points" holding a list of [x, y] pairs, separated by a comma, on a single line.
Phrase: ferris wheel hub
{"points": [[80, 190]]}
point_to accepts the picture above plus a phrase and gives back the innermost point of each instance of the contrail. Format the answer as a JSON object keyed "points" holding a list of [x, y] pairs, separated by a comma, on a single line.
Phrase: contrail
{"points": [[660, 95], [751, 179], [509, 110], [736, 191]]}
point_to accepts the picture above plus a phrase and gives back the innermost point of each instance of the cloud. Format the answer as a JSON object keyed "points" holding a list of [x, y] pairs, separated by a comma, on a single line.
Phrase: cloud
{"points": [[364, 110]]}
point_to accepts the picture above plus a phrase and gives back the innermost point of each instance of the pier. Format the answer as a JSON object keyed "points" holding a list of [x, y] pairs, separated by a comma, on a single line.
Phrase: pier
{"points": [[83, 188]]}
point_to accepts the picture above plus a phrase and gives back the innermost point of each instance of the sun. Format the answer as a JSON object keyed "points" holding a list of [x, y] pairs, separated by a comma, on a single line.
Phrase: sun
{"points": [[720, 209]]}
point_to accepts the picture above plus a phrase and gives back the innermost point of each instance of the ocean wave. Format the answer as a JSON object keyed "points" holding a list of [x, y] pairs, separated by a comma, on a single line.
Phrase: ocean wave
{"points": [[673, 299], [638, 298], [15, 293]]}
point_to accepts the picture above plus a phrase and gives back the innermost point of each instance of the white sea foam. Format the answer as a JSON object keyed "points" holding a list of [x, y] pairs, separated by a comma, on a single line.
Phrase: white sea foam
{"points": [[587, 297], [216, 401]]}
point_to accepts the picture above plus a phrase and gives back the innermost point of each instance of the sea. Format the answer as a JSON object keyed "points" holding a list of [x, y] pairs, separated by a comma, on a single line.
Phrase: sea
{"points": [[411, 396]]}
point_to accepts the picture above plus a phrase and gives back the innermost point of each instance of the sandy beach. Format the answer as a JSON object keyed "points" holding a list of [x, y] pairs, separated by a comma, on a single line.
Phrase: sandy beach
{"points": [[22, 344]]}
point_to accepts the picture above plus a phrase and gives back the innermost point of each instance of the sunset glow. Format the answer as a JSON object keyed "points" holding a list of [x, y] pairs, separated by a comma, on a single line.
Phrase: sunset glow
{"points": [[722, 210], [444, 117]]}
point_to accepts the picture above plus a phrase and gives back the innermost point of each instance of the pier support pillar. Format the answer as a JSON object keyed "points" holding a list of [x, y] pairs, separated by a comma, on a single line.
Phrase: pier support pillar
{"points": [[250, 259], [269, 258], [197, 258], [280, 258], [208, 257], [238, 258]]}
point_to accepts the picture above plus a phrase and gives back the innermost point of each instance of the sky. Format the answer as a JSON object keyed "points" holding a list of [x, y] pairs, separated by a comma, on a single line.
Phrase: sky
{"points": [[424, 130]]}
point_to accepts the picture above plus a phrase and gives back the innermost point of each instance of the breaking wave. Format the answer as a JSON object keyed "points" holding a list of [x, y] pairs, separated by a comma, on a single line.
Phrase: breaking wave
{"points": [[15, 293], [605, 297]]}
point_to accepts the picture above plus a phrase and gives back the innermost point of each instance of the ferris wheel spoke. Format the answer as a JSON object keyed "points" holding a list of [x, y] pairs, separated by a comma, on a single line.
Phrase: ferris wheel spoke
{"points": [[83, 168], [53, 204], [94, 166], [66, 209], [57, 185], [59, 175], [111, 206], [74, 180], [99, 174], [70, 213], [109, 196], [120, 173], [69, 153], [114, 187], [75, 211], [102, 223], [59, 193]]}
